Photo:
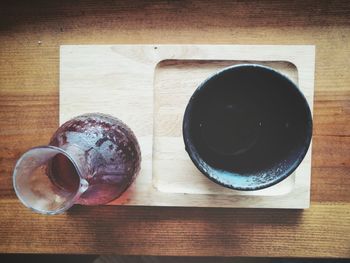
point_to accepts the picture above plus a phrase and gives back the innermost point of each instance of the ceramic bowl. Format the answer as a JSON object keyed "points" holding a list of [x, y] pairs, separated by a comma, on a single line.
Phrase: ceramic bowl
{"points": [[247, 127]]}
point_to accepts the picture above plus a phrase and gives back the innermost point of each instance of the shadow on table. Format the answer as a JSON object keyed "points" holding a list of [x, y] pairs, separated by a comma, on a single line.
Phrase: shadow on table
{"points": [[51, 258], [130, 230]]}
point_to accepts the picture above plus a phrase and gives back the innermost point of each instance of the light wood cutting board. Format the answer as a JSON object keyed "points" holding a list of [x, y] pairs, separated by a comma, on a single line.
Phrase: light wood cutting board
{"points": [[148, 87]]}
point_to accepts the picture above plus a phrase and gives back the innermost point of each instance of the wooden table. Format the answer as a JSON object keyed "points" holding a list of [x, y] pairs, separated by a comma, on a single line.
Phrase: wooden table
{"points": [[30, 35]]}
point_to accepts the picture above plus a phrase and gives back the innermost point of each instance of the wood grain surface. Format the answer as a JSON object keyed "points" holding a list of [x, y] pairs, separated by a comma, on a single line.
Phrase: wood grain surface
{"points": [[30, 35], [174, 83]]}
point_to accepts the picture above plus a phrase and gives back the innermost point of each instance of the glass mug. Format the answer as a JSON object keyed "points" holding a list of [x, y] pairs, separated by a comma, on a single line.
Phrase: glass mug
{"points": [[90, 160]]}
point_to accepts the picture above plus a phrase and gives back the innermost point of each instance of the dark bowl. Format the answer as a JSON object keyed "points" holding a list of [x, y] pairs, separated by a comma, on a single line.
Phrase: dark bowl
{"points": [[247, 127]]}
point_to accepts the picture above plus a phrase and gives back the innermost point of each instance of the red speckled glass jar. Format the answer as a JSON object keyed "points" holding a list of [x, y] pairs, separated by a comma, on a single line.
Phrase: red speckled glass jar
{"points": [[90, 160]]}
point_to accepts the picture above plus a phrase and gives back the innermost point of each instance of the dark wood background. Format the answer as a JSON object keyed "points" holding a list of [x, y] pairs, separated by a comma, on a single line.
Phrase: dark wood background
{"points": [[30, 35]]}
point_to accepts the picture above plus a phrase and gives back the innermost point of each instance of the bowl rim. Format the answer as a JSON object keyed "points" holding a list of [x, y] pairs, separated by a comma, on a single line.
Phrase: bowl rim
{"points": [[200, 163]]}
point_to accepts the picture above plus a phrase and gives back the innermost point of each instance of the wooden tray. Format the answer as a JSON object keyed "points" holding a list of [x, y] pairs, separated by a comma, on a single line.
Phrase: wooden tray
{"points": [[148, 87]]}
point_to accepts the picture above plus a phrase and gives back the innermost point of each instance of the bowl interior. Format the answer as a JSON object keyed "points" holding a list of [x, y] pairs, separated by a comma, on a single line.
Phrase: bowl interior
{"points": [[247, 127]]}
